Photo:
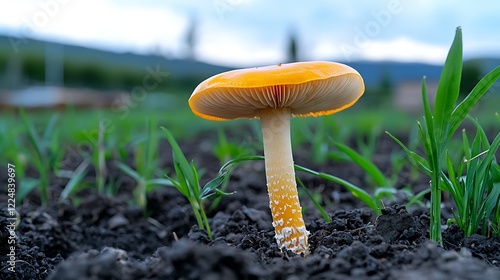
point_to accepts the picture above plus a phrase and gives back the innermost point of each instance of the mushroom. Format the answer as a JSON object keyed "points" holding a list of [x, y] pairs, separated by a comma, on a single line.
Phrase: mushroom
{"points": [[275, 94]]}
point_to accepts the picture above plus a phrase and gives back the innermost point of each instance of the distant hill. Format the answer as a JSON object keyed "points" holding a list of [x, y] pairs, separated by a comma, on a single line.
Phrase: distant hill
{"points": [[77, 54], [372, 72]]}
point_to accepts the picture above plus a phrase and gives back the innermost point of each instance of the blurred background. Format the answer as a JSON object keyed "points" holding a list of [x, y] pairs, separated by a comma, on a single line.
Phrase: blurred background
{"points": [[124, 55]]}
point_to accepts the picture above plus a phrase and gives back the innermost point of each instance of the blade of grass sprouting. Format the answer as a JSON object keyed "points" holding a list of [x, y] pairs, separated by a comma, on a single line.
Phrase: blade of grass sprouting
{"points": [[466, 145], [183, 190], [490, 155], [77, 177], [356, 191], [238, 160], [417, 198], [428, 135], [217, 194], [187, 182], [428, 150], [195, 181], [368, 166], [466, 105], [480, 131], [384, 192], [448, 87], [40, 159], [129, 171], [490, 202], [213, 184], [433, 152], [181, 180], [160, 182], [100, 160], [428, 139], [414, 157], [33, 136], [454, 183], [495, 171], [316, 204], [447, 185], [26, 185], [477, 183], [49, 130], [150, 149], [50, 140], [180, 161]]}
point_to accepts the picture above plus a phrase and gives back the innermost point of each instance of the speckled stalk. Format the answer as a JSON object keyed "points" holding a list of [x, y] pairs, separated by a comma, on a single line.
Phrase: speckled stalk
{"points": [[288, 223]]}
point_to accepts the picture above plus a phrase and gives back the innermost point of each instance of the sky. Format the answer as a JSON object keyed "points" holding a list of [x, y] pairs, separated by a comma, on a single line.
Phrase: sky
{"points": [[249, 33]]}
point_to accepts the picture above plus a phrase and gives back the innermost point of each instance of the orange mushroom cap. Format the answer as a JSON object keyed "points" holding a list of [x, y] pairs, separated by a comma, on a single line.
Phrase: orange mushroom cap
{"points": [[307, 88]]}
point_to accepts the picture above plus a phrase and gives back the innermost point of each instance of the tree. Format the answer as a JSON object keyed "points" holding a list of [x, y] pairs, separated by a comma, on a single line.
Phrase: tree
{"points": [[471, 74], [191, 38], [292, 47]]}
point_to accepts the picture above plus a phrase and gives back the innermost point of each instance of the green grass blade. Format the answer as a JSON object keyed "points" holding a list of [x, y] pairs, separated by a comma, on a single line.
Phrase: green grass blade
{"points": [[466, 105], [129, 171], [26, 185], [416, 199], [186, 188], [448, 87], [466, 145], [217, 194], [230, 163], [160, 182], [213, 185], [453, 183], [356, 191], [49, 129], [483, 168], [316, 204], [40, 159], [415, 158], [427, 134], [77, 177], [181, 163], [32, 135], [369, 167], [182, 189], [195, 181], [480, 130], [384, 192]]}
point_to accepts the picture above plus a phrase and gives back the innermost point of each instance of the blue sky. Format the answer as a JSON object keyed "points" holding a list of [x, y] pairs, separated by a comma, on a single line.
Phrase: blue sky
{"points": [[254, 32]]}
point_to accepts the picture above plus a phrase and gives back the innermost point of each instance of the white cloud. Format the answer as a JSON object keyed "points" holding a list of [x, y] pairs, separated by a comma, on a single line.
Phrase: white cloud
{"points": [[400, 49], [252, 32], [404, 49], [97, 23], [231, 48]]}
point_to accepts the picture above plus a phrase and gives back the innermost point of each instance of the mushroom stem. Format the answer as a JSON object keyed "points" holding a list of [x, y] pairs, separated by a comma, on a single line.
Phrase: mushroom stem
{"points": [[288, 223]]}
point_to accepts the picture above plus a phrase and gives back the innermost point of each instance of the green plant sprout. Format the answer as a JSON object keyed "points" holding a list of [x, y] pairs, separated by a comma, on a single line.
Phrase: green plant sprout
{"points": [[146, 164], [314, 200], [477, 193], [99, 158], [76, 181], [188, 184], [384, 186], [46, 156], [439, 126], [371, 201]]}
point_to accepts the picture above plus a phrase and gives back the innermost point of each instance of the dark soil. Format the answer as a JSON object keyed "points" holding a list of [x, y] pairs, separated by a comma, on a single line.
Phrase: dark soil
{"points": [[99, 237]]}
